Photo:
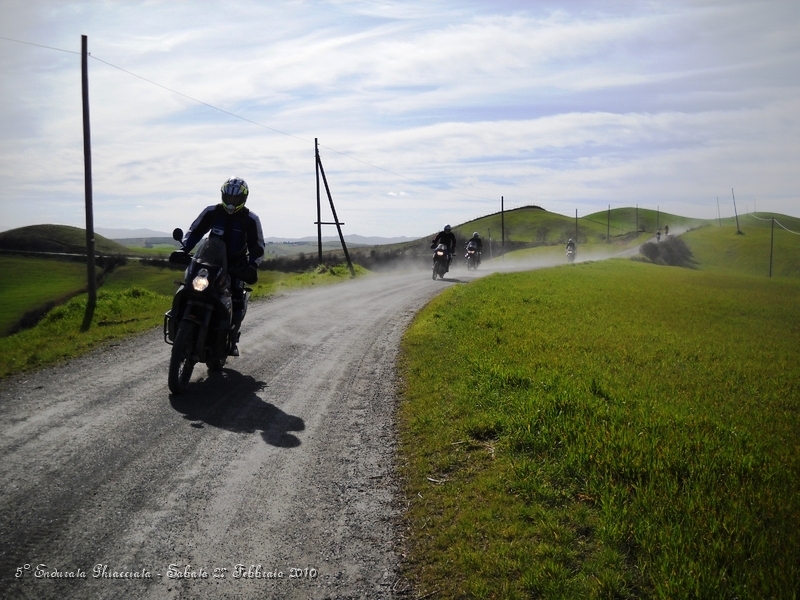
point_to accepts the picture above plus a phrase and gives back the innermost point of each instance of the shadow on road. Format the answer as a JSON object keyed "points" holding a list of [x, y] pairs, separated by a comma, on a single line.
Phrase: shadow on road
{"points": [[229, 400]]}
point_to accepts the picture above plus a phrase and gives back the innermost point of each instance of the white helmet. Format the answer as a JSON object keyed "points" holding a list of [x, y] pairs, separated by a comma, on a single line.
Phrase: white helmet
{"points": [[447, 227], [475, 235]]}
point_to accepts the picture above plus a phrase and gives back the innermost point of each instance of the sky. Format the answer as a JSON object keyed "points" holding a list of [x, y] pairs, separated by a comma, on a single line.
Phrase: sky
{"points": [[426, 112]]}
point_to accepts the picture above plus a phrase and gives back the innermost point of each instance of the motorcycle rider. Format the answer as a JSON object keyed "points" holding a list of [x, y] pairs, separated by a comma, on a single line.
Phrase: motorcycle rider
{"points": [[477, 242], [447, 238], [570, 245], [240, 229]]}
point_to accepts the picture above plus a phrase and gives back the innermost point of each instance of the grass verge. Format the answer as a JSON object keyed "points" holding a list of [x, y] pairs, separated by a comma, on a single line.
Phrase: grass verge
{"points": [[30, 283], [604, 430]]}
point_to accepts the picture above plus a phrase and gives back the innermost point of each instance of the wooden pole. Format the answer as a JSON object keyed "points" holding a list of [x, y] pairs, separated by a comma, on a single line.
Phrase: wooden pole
{"points": [[502, 228], [91, 302], [719, 216], [771, 240], [739, 231], [608, 225], [576, 225], [335, 218], [319, 211]]}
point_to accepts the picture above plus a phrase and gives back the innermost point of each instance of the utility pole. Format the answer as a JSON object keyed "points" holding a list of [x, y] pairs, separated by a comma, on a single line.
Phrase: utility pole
{"points": [[637, 219], [771, 240], [738, 231], [336, 222], [91, 303], [502, 228], [319, 210], [576, 225], [719, 216], [608, 225]]}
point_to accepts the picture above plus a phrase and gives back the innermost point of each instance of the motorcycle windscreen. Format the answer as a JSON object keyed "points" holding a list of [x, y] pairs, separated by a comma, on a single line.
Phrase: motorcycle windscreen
{"points": [[212, 251]]}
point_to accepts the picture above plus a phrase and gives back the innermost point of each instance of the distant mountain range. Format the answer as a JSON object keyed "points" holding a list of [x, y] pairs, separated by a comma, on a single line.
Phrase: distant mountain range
{"points": [[121, 234]]}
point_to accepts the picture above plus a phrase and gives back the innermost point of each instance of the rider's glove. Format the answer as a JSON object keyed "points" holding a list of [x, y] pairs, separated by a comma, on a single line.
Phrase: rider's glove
{"points": [[250, 274]]}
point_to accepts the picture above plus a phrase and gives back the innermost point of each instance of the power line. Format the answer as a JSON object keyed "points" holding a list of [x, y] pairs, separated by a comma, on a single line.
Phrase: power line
{"points": [[37, 45], [222, 110], [234, 115], [776, 221]]}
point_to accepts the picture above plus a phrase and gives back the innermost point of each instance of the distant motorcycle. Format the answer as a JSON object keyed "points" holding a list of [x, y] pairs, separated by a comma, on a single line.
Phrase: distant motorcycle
{"points": [[199, 324], [571, 255], [472, 256], [441, 261]]}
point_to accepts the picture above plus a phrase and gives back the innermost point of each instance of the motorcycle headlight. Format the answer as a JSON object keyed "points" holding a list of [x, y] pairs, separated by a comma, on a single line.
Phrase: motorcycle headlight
{"points": [[200, 282], [440, 253]]}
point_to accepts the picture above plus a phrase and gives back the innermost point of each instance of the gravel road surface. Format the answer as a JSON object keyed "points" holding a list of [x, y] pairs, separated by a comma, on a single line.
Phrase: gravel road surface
{"points": [[272, 479]]}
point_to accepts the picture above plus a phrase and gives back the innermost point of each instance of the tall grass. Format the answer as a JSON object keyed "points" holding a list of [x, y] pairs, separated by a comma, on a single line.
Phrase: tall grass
{"points": [[605, 430]]}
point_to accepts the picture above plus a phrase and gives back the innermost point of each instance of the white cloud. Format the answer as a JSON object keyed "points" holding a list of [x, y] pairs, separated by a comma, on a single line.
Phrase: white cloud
{"points": [[560, 105]]}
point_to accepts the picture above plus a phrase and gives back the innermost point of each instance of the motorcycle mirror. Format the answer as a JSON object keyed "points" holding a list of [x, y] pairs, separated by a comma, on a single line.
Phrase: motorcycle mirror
{"points": [[177, 234]]}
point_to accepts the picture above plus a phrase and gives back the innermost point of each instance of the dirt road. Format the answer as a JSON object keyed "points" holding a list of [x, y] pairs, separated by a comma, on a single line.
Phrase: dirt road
{"points": [[271, 479]]}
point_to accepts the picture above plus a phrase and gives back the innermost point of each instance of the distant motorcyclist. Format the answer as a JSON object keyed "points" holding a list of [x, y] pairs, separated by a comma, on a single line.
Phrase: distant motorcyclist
{"points": [[477, 243], [447, 238], [240, 229], [475, 239], [571, 251]]}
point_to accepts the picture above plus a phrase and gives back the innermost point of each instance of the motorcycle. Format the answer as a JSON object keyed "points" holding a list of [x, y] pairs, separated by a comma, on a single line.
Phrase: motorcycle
{"points": [[441, 261], [571, 255], [199, 326], [472, 256]]}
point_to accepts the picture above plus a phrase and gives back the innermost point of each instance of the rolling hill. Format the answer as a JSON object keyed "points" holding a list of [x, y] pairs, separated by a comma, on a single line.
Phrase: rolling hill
{"points": [[55, 238]]}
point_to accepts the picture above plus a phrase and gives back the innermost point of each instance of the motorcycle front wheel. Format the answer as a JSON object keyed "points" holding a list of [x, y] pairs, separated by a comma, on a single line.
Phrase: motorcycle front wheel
{"points": [[181, 364]]}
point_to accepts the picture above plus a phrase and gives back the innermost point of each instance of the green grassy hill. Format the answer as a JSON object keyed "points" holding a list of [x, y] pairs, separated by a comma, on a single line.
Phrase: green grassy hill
{"points": [[55, 238], [720, 248], [533, 227]]}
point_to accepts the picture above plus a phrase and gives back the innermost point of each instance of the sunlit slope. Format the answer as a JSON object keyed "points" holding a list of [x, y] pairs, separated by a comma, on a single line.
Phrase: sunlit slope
{"points": [[620, 221], [56, 238], [29, 283], [536, 226], [721, 248]]}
